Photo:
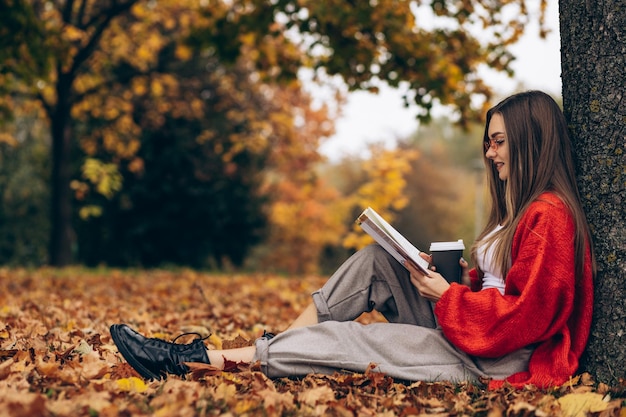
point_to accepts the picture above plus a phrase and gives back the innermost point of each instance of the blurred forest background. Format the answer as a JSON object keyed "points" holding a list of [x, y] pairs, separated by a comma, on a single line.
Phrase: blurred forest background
{"points": [[163, 133]]}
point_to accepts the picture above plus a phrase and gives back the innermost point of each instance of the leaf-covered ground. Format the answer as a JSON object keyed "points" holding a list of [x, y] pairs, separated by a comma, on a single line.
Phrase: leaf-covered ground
{"points": [[57, 358]]}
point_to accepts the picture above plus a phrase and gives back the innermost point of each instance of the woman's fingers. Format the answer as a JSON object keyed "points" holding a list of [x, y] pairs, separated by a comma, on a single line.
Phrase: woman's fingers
{"points": [[430, 287], [465, 278], [426, 257]]}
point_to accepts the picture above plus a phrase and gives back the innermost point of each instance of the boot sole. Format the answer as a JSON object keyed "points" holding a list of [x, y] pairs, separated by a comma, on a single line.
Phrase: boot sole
{"points": [[142, 370]]}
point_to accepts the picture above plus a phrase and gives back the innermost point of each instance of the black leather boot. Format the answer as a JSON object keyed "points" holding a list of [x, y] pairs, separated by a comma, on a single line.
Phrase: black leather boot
{"points": [[155, 358]]}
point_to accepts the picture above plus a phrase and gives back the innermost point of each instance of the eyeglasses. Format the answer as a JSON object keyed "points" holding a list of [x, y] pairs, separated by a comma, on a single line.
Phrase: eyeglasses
{"points": [[492, 143]]}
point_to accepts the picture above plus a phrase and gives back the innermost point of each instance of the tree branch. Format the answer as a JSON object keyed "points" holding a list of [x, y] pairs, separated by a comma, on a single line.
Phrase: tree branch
{"points": [[81, 13], [67, 11], [101, 22], [47, 107]]}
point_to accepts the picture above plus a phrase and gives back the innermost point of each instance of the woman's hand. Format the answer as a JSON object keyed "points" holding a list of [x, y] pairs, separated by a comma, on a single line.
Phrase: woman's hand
{"points": [[431, 286], [434, 285], [465, 278]]}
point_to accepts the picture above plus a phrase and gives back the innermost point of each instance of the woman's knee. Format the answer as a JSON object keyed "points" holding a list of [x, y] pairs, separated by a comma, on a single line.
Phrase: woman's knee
{"points": [[379, 256], [375, 251]]}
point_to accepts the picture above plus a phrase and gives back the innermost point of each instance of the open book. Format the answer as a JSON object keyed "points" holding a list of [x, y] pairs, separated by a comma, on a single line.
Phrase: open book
{"points": [[390, 239]]}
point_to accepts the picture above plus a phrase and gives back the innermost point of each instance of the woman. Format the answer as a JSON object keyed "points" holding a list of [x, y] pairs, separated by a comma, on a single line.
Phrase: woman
{"points": [[523, 315]]}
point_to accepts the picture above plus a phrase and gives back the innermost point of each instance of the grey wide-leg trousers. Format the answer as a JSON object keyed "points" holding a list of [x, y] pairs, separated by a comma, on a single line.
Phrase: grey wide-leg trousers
{"points": [[409, 347]]}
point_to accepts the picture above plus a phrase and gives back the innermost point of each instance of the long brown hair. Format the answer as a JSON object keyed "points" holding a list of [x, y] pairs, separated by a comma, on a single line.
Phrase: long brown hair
{"points": [[540, 159]]}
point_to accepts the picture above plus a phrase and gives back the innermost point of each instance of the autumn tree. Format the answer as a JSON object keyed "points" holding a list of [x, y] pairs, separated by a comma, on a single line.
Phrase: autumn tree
{"points": [[362, 43], [71, 32], [593, 55], [433, 56], [118, 87], [306, 213], [200, 185], [23, 49], [384, 189]]}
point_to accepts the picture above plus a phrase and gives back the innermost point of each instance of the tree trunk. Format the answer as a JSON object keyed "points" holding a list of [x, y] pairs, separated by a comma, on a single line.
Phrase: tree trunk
{"points": [[593, 60], [61, 234]]}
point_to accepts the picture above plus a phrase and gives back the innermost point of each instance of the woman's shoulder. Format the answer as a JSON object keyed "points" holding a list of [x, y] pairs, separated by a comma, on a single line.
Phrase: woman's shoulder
{"points": [[548, 200], [547, 217], [548, 205]]}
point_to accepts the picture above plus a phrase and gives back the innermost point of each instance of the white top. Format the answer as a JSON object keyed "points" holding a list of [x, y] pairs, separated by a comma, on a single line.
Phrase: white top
{"points": [[492, 276]]}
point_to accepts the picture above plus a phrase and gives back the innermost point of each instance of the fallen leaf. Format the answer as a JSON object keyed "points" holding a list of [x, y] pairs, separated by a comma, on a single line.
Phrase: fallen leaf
{"points": [[196, 330], [4, 333], [216, 341], [225, 391], [237, 342], [578, 405], [314, 396], [23, 404], [199, 370], [132, 384], [83, 348]]}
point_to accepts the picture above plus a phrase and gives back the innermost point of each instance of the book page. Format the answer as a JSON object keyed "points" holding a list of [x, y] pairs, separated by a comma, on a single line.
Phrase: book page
{"points": [[391, 239]]}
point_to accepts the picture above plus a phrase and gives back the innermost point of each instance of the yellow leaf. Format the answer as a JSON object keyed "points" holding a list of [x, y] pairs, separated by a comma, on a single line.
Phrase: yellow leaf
{"points": [[578, 405], [90, 211], [244, 406], [225, 391], [8, 139], [139, 86], [215, 341], [72, 33], [144, 56], [111, 113], [133, 384], [139, 11], [183, 52], [157, 88], [247, 38], [105, 177]]}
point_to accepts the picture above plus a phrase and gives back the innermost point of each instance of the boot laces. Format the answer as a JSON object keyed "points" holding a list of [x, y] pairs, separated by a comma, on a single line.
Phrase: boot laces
{"points": [[199, 337]]}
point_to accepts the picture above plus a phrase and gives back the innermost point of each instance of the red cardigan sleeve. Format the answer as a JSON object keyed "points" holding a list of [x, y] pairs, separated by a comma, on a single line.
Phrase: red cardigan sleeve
{"points": [[476, 284], [542, 305]]}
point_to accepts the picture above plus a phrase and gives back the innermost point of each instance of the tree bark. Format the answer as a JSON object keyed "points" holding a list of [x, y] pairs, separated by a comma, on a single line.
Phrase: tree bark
{"points": [[61, 232], [593, 60]]}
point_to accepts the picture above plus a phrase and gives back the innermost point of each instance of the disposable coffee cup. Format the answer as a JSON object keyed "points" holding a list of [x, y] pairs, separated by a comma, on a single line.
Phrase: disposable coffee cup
{"points": [[446, 257]]}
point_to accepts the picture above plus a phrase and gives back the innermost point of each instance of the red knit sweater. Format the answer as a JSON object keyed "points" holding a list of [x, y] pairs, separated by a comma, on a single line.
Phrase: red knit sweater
{"points": [[543, 304]]}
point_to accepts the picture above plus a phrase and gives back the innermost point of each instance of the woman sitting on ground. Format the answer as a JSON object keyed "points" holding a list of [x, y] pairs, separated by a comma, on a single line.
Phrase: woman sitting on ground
{"points": [[523, 315]]}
